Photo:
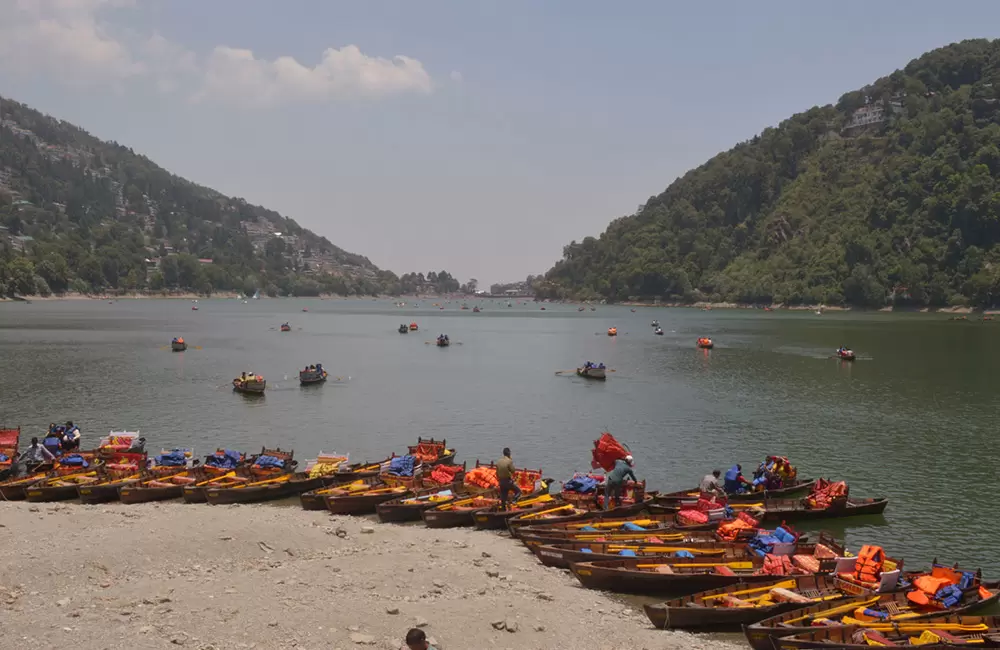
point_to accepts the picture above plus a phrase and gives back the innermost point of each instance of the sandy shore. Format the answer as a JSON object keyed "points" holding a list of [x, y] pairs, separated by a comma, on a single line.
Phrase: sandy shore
{"points": [[267, 576]]}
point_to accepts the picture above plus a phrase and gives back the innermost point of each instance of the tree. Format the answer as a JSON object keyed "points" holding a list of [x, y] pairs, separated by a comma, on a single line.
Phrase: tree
{"points": [[22, 276], [54, 270]]}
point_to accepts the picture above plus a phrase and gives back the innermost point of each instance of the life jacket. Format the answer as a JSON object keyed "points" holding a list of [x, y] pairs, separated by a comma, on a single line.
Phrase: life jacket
{"points": [[483, 477], [444, 474], [776, 565], [730, 530], [824, 493], [868, 566]]}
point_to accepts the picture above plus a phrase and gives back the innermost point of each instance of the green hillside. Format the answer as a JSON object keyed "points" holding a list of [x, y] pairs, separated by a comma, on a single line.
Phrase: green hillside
{"points": [[889, 197], [80, 214]]}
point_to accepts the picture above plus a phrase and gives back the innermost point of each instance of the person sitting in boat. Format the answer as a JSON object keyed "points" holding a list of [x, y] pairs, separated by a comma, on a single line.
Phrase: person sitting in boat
{"points": [[601, 366], [710, 486], [71, 440], [35, 455], [319, 368], [53, 442], [614, 481], [416, 639], [735, 483]]}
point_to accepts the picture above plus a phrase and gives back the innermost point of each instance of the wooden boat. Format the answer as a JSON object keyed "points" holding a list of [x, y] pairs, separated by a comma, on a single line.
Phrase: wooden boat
{"points": [[691, 496], [161, 488], [316, 499], [363, 499], [583, 540], [269, 489], [443, 341], [178, 345], [12, 489], [796, 510], [612, 331], [106, 488], [599, 524], [766, 633], [573, 512], [244, 472], [714, 609], [250, 386], [476, 310], [285, 327], [658, 331], [409, 508], [9, 441], [562, 555], [314, 375], [403, 329], [458, 512], [413, 327], [493, 518], [260, 475], [705, 343], [59, 488], [591, 373], [938, 633], [432, 452], [845, 355], [210, 471]]}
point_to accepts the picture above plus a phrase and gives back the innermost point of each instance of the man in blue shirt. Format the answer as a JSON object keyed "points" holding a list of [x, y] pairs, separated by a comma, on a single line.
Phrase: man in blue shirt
{"points": [[614, 482]]}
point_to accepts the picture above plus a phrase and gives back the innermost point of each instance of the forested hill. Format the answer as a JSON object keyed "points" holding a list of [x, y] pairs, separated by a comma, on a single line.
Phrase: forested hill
{"points": [[77, 213], [890, 197]]}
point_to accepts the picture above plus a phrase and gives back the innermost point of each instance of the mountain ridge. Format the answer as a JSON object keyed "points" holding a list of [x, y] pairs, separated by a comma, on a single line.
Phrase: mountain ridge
{"points": [[888, 197]]}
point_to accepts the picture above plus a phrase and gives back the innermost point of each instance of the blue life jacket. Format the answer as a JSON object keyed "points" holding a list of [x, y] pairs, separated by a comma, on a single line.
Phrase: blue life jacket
{"points": [[402, 466], [580, 485], [732, 485], [269, 462], [4, 458], [628, 525], [687, 554], [626, 552], [75, 460], [949, 596], [53, 444], [172, 459]]}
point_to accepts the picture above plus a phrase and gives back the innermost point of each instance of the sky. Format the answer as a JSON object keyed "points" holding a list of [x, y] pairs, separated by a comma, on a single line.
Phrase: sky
{"points": [[478, 137]]}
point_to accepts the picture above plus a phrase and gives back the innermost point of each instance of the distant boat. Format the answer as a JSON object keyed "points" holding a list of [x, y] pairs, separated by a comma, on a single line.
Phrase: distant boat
{"points": [[476, 310], [194, 307], [285, 327]]}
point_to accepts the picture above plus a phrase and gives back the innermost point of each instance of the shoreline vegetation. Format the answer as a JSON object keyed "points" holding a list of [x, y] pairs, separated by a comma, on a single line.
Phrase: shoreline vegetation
{"points": [[705, 306]]}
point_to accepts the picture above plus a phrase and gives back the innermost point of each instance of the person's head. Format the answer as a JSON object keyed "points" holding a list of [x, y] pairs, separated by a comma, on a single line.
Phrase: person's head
{"points": [[739, 468], [716, 473], [69, 424], [506, 451], [416, 639], [34, 442], [629, 460]]}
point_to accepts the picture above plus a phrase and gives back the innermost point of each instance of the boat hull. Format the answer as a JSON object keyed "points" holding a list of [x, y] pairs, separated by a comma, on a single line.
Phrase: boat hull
{"points": [[561, 556], [44, 494], [692, 494], [178, 347], [395, 511], [591, 373], [102, 493], [491, 519], [14, 491], [256, 389], [841, 508], [434, 518], [655, 584], [134, 494], [517, 523], [258, 493]]}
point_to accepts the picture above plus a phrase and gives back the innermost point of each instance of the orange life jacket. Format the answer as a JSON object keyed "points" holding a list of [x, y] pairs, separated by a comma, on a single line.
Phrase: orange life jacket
{"points": [[730, 530], [868, 566], [484, 477]]}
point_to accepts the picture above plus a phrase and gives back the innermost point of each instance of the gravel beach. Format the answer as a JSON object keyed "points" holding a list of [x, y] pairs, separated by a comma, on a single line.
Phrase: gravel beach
{"points": [[266, 576]]}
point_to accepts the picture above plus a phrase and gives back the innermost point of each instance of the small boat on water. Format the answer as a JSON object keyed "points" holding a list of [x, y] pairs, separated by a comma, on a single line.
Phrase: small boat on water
{"points": [[443, 341], [612, 331], [362, 497], [691, 496], [409, 508], [845, 354], [312, 374], [482, 484], [224, 464], [270, 468], [592, 371], [178, 344], [476, 310], [285, 327], [936, 633], [655, 323], [413, 327], [432, 452], [346, 474], [403, 329], [250, 384], [194, 308], [658, 331], [493, 518], [161, 488], [705, 343], [9, 440]]}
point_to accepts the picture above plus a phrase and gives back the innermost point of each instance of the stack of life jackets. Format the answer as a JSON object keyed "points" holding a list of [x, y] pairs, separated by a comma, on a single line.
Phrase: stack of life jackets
{"points": [[606, 451], [172, 459], [269, 462], [326, 464], [777, 565], [224, 459], [583, 483], [867, 568], [445, 474], [728, 531], [484, 477], [427, 452], [402, 466], [824, 493], [942, 588], [129, 462], [74, 460], [764, 541]]}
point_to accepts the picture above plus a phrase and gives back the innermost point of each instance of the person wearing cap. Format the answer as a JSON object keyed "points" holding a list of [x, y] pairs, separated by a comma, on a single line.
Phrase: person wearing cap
{"points": [[614, 482], [710, 485]]}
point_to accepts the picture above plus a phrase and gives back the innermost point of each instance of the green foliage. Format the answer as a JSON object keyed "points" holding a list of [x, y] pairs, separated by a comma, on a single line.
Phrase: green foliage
{"points": [[97, 217], [906, 212]]}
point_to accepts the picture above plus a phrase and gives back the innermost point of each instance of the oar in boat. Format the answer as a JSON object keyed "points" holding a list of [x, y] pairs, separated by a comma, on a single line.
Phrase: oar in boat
{"points": [[573, 371], [706, 565]]}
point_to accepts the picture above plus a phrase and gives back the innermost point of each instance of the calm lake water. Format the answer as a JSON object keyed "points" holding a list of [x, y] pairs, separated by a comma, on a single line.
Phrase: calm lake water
{"points": [[913, 419]]}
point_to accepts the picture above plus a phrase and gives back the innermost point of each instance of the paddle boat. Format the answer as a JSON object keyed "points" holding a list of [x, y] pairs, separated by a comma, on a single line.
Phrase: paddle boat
{"points": [[845, 354], [656, 323], [403, 329], [705, 343], [592, 370], [413, 327], [658, 331], [285, 327], [178, 344], [612, 331], [313, 374], [443, 341], [476, 310], [194, 307], [250, 384]]}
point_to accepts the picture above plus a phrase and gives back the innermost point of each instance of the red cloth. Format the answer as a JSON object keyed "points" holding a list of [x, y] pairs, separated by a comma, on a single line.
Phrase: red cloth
{"points": [[444, 474], [606, 451]]}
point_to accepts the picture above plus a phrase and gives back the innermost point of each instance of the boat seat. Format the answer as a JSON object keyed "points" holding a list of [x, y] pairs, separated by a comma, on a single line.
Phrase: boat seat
{"points": [[948, 637], [812, 593], [891, 608], [877, 638]]}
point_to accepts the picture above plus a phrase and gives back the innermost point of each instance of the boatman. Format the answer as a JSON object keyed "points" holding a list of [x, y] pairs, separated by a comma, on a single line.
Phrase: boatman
{"points": [[72, 438], [35, 455], [505, 475], [735, 482], [614, 482], [710, 485]]}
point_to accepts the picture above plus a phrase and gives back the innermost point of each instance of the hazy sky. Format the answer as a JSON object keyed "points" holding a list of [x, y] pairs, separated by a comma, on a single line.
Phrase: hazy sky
{"points": [[476, 137]]}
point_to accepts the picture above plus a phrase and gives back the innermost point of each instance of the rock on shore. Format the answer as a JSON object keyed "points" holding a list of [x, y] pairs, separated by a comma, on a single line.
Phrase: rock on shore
{"points": [[266, 576]]}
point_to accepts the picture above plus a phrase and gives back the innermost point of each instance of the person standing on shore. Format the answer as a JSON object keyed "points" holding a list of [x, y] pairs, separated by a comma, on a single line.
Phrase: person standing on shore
{"points": [[614, 482], [417, 640], [505, 475]]}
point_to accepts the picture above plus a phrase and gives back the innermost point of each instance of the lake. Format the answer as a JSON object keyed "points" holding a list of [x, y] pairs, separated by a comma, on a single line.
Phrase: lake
{"points": [[912, 419]]}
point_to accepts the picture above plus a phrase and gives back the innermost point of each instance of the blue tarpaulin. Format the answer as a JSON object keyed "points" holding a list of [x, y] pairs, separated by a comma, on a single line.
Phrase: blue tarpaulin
{"points": [[269, 462], [172, 459], [581, 484], [229, 459], [402, 466]]}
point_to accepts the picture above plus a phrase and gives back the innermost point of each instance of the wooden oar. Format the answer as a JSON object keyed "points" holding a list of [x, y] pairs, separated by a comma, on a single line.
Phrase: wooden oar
{"points": [[842, 609], [787, 584], [666, 549], [542, 513], [707, 565]]}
